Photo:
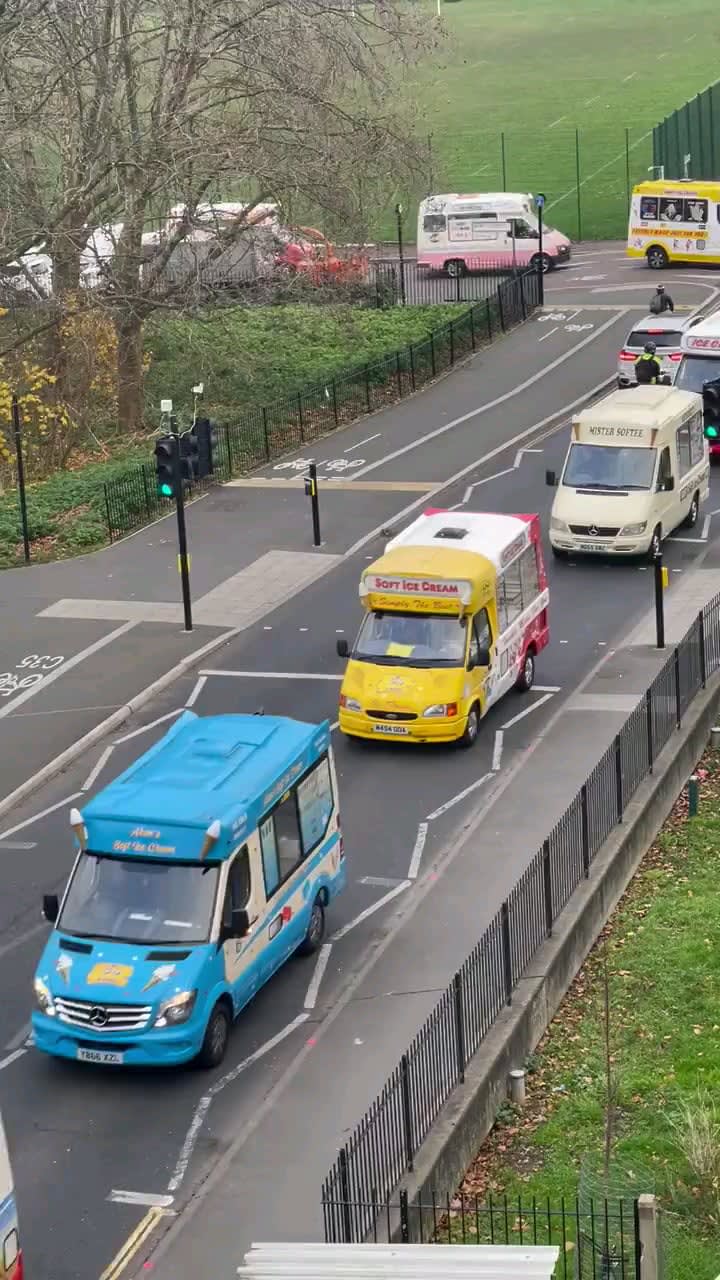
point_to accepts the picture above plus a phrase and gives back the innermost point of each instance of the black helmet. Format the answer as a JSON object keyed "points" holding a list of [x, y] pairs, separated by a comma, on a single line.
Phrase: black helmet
{"points": [[661, 288], [650, 348]]}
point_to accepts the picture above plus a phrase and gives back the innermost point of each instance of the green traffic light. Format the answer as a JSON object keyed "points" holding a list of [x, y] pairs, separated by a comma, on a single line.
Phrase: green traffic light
{"points": [[166, 490], [711, 433]]}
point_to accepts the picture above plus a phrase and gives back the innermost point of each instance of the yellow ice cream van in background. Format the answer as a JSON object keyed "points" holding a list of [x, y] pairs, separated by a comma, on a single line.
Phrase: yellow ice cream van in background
{"points": [[456, 612], [674, 221]]}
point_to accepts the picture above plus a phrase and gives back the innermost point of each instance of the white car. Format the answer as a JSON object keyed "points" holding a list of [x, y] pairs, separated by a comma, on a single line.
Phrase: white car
{"points": [[666, 332]]}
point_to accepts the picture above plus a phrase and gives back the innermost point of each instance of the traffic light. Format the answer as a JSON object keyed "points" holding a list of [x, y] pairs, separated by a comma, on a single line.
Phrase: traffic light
{"points": [[206, 432], [189, 457], [711, 407], [165, 466]]}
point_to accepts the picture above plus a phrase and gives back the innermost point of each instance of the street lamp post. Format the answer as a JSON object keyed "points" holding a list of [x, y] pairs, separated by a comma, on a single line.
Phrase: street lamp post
{"points": [[17, 432], [540, 203], [399, 216]]}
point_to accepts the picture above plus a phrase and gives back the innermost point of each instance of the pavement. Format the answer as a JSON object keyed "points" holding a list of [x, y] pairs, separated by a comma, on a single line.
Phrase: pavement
{"points": [[304, 1064]]}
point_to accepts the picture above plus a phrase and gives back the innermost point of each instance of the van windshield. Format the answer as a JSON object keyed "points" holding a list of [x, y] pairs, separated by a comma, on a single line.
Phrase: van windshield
{"points": [[133, 900], [601, 466], [411, 640], [695, 371]]}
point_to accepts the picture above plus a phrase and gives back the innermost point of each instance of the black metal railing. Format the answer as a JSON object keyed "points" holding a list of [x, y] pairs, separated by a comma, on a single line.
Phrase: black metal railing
{"points": [[597, 1238], [270, 431], [384, 1145]]}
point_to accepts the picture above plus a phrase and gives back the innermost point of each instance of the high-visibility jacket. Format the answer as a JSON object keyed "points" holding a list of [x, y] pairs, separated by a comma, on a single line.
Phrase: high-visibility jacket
{"points": [[647, 369]]}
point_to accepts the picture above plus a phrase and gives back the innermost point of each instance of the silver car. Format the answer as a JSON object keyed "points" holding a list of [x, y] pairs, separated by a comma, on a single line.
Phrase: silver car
{"points": [[665, 331]]}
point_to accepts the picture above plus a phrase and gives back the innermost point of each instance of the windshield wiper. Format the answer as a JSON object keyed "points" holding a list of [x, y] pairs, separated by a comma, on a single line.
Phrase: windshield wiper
{"points": [[595, 484]]}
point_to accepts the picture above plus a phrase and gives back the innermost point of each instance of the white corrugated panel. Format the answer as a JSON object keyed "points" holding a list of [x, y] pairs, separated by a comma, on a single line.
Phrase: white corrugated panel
{"points": [[399, 1262]]}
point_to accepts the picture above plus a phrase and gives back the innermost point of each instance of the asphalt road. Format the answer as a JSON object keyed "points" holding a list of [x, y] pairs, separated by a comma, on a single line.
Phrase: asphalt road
{"points": [[79, 1135]]}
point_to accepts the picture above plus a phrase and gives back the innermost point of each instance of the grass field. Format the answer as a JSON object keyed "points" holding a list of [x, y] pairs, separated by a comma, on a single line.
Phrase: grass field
{"points": [[537, 70], [661, 1012]]}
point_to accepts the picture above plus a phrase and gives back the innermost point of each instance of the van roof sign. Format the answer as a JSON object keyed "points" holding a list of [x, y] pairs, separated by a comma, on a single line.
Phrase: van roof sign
{"points": [[696, 342]]}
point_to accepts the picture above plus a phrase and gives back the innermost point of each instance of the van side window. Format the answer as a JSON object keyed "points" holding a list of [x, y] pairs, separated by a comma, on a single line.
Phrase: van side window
{"points": [[280, 844], [529, 575], [511, 585], [521, 229], [665, 467], [315, 805], [238, 887], [697, 440], [683, 448]]}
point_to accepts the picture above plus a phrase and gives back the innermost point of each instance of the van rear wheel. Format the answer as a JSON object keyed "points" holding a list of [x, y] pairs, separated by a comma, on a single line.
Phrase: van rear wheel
{"points": [[657, 258], [526, 679], [315, 930], [455, 268], [692, 516]]}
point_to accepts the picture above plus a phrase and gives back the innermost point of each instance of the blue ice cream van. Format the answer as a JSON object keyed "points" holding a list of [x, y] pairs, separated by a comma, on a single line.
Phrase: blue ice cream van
{"points": [[200, 870]]}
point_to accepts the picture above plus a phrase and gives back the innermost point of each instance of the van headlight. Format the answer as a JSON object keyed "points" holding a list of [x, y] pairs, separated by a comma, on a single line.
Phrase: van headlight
{"points": [[558, 525], [176, 1010], [349, 704], [633, 530], [43, 999], [439, 709]]}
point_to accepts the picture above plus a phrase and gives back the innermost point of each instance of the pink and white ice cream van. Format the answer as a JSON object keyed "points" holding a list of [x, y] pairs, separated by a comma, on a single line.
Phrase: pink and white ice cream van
{"points": [[459, 234]]}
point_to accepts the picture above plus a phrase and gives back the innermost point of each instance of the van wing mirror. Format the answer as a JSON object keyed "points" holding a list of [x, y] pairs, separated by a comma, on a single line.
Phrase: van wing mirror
{"points": [[240, 922], [669, 484], [343, 648], [51, 907], [550, 479]]}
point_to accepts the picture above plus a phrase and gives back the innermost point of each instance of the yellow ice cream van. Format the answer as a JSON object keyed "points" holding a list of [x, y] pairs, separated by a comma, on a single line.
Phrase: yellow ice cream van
{"points": [[456, 612]]}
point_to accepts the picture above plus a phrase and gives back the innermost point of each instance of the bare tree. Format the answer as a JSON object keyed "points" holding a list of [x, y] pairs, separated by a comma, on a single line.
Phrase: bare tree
{"points": [[115, 110]]}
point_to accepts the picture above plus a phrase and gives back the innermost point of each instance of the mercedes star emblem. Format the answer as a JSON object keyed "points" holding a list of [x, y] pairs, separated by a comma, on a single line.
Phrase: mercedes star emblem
{"points": [[99, 1017]]}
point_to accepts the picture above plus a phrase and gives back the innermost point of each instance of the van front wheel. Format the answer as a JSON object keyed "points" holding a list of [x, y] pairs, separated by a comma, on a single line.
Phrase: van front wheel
{"points": [[655, 543], [215, 1040], [469, 737]]}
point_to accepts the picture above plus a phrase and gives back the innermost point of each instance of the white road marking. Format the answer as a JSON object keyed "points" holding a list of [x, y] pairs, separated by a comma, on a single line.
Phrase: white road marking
{"points": [[528, 710], [144, 1198], [362, 442], [66, 666], [696, 542], [37, 816], [547, 688], [417, 852], [20, 1038], [706, 528], [443, 808], [18, 845], [205, 1102], [11, 1057], [98, 767], [370, 911], [145, 728], [196, 691], [520, 454], [486, 408], [321, 964], [275, 675], [497, 750], [549, 333], [379, 882], [335, 725]]}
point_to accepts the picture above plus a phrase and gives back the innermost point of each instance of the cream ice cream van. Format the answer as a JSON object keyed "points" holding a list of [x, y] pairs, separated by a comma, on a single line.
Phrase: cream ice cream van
{"points": [[637, 467]]}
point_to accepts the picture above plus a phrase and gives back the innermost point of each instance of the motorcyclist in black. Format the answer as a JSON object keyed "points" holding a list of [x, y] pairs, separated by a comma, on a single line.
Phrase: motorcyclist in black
{"points": [[661, 301], [647, 366]]}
